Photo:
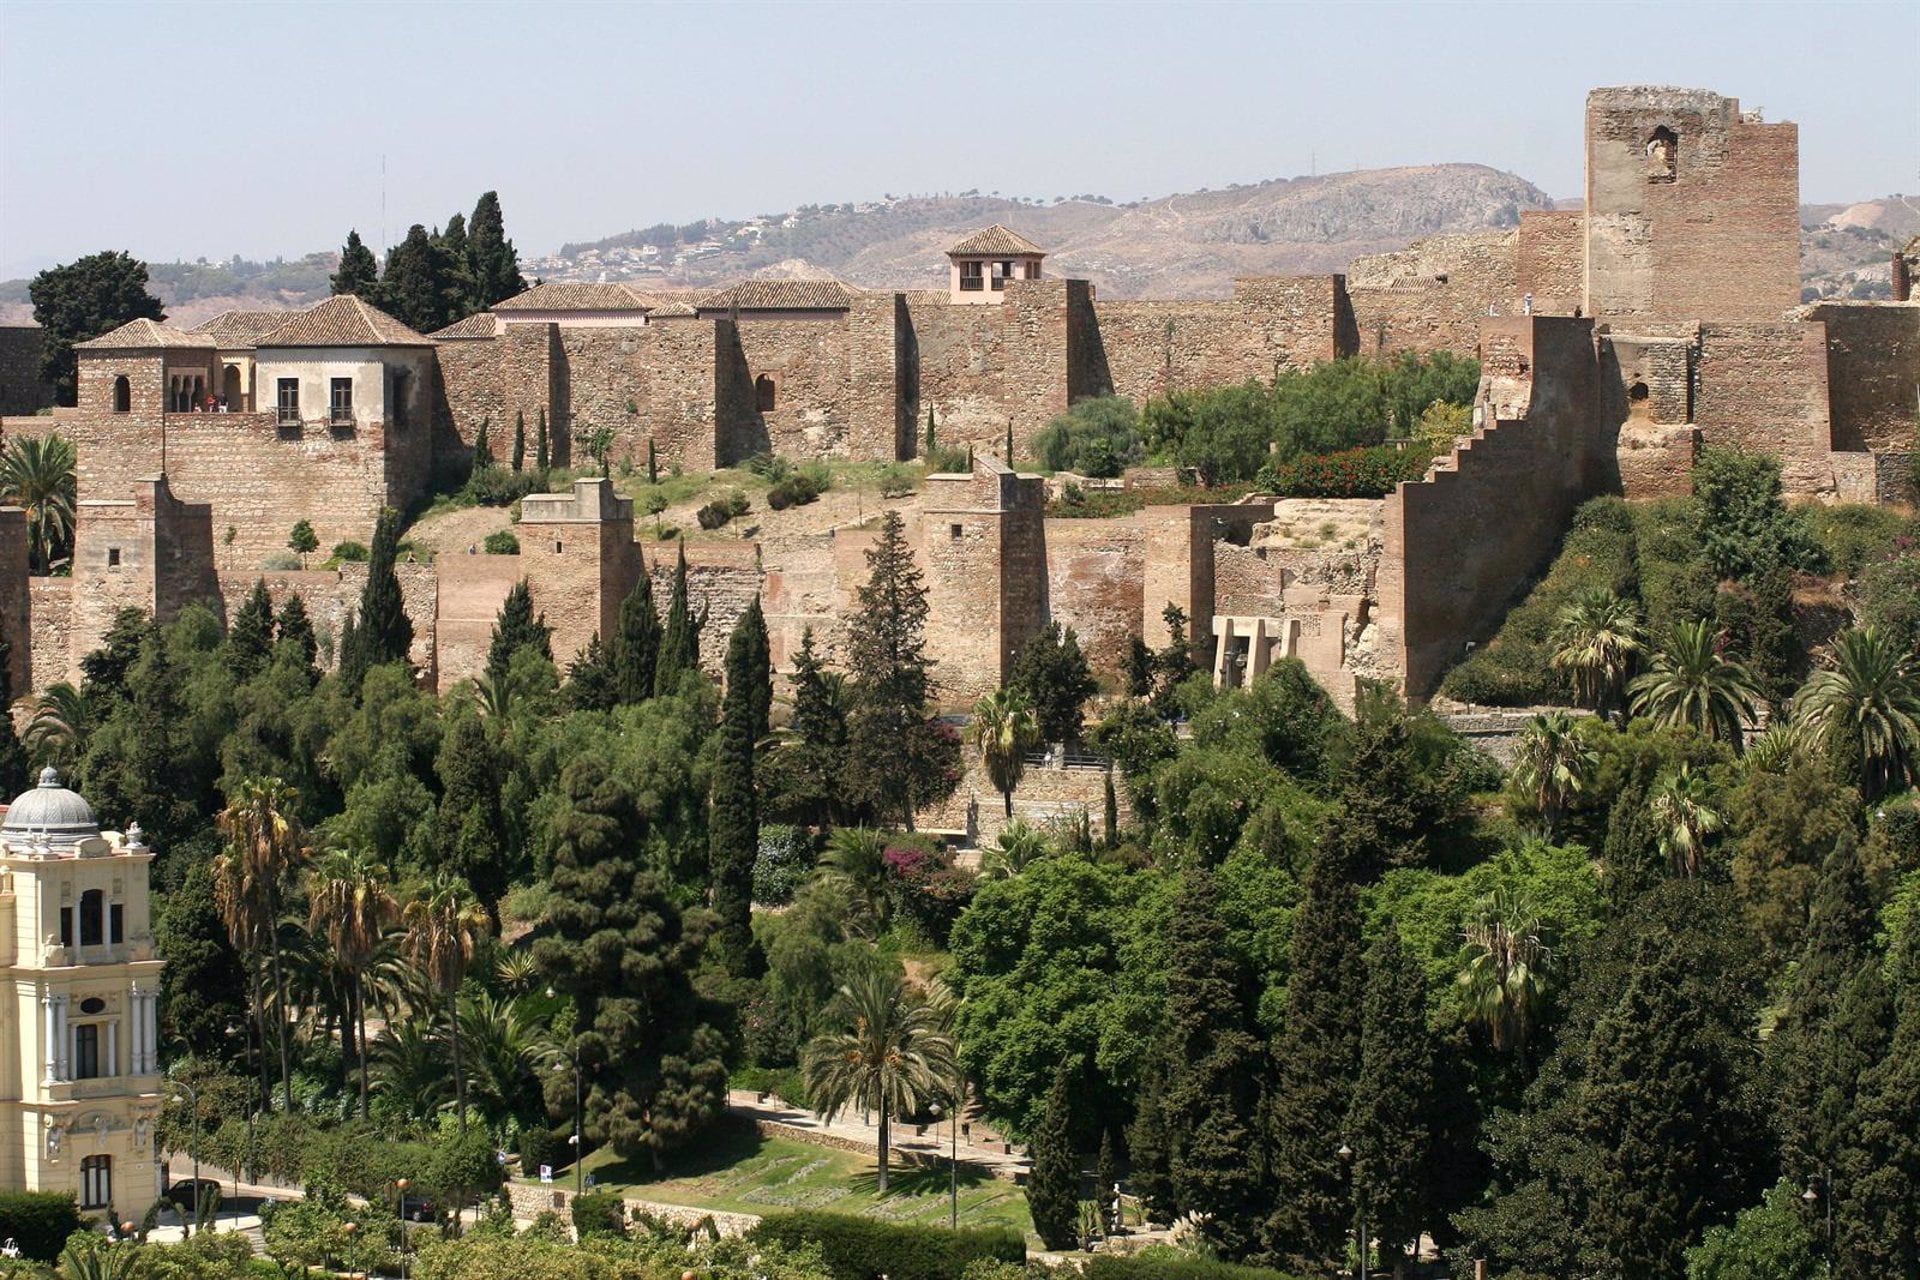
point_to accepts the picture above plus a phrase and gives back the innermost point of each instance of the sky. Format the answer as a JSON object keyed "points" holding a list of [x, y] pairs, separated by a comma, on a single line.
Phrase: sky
{"points": [[185, 130]]}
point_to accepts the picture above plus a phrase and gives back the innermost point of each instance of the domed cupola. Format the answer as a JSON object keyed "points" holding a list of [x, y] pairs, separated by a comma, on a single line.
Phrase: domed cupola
{"points": [[50, 812]]}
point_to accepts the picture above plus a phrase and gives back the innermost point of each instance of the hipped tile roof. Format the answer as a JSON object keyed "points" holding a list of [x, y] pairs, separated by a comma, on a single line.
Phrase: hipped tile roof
{"points": [[343, 321], [480, 324], [996, 241], [572, 295], [782, 295], [135, 334], [241, 328]]}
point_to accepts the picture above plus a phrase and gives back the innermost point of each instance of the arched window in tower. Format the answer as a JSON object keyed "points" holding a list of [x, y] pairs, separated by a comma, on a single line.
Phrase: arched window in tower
{"points": [[122, 394], [764, 393], [1663, 155]]}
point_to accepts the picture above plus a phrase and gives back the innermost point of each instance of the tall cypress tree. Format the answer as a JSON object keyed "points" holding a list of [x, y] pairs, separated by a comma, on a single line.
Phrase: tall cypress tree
{"points": [[386, 633], [680, 640], [495, 265], [590, 678], [359, 273], [1876, 1185], [634, 655], [294, 640], [1211, 1070], [13, 756], [1316, 1056], [897, 758], [482, 450], [423, 285], [515, 629], [801, 776], [1053, 1187], [1393, 1117], [519, 456], [353, 654], [250, 638], [470, 836], [540, 453], [733, 835]]}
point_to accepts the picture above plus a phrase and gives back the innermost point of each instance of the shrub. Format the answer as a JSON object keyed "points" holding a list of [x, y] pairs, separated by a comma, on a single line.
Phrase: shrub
{"points": [[948, 459], [1353, 473], [1855, 536], [1096, 437], [924, 886], [39, 1221], [862, 1248], [1745, 527], [794, 491], [501, 542], [500, 487], [1165, 1264], [786, 856], [280, 561], [1890, 596], [599, 1214], [350, 552], [895, 481], [540, 1146]]}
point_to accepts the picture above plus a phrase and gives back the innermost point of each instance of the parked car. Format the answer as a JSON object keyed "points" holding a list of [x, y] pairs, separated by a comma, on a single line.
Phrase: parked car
{"points": [[418, 1209], [184, 1193]]}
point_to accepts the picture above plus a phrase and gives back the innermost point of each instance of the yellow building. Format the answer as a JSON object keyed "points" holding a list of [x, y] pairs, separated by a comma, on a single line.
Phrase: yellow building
{"points": [[79, 1049]]}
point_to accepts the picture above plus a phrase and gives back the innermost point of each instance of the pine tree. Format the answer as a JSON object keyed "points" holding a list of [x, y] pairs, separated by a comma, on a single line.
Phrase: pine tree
{"points": [[1316, 1057], [734, 832], [470, 836], [1211, 1069], [482, 451], [1876, 1185], [928, 452], [540, 458], [680, 638], [515, 629], [423, 286], [1053, 1187], [1148, 1146], [614, 942], [13, 756], [898, 759], [202, 987], [590, 678], [1139, 668], [1110, 811], [386, 633], [519, 456], [634, 655], [1106, 1182], [352, 663], [1055, 675], [801, 776], [359, 273], [495, 266], [295, 641], [1392, 1120], [250, 638]]}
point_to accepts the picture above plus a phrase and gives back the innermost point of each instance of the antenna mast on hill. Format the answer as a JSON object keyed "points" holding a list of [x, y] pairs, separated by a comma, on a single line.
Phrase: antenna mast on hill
{"points": [[383, 208]]}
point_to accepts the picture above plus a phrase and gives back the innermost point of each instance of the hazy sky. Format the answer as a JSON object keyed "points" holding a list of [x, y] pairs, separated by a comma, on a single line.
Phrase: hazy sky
{"points": [[188, 130]]}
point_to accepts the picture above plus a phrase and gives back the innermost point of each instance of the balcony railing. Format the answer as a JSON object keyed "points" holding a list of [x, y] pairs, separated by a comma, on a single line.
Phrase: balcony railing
{"points": [[972, 284]]}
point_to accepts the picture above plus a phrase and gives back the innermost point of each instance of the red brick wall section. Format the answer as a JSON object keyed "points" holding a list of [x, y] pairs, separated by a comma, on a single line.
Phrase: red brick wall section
{"points": [[1551, 261], [1764, 387], [1433, 295], [1095, 572], [468, 388], [684, 406], [808, 359], [1873, 367], [603, 373], [1463, 543], [15, 596], [1721, 240], [878, 423]]}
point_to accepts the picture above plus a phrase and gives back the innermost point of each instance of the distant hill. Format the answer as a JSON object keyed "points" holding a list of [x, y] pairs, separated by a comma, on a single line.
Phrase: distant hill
{"points": [[1187, 245]]}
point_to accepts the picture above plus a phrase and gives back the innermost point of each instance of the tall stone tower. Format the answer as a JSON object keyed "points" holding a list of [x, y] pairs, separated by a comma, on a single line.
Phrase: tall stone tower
{"points": [[1693, 209], [79, 1038]]}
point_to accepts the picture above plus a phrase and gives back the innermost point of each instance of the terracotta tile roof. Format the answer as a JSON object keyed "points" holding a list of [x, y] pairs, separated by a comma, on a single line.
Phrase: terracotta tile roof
{"points": [[996, 241], [571, 295], [241, 328], [782, 295], [669, 310], [136, 334], [481, 324], [343, 321]]}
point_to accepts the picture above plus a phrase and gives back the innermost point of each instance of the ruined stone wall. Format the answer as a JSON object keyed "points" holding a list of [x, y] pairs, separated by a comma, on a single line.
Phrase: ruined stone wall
{"points": [[607, 385], [1873, 368], [722, 580], [1434, 294], [1551, 259], [21, 388], [1764, 387], [808, 360], [55, 656], [979, 366], [533, 379], [803, 587], [15, 600], [468, 389], [1245, 582], [1095, 575], [684, 407], [879, 420], [469, 594], [1463, 543], [1718, 238]]}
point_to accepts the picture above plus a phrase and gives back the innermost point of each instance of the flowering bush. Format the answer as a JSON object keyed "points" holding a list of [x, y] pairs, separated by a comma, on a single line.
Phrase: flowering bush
{"points": [[925, 888], [1351, 473]]}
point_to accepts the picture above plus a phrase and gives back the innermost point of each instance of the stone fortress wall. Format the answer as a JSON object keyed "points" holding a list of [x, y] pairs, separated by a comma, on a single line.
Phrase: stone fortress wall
{"points": [[1615, 342]]}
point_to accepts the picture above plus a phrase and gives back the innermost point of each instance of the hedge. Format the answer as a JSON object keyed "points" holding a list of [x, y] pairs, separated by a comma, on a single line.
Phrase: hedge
{"points": [[599, 1213], [1351, 473], [39, 1221], [1153, 1265], [865, 1248]]}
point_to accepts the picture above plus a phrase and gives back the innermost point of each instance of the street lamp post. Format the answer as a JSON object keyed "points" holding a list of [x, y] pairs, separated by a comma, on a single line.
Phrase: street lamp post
{"points": [[953, 1164], [400, 1186], [576, 1141], [353, 1248], [1360, 1207], [193, 1145], [1811, 1196]]}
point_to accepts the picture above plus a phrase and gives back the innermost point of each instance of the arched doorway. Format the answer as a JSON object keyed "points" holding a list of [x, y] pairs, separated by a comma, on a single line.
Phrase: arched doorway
{"points": [[122, 394], [230, 390]]}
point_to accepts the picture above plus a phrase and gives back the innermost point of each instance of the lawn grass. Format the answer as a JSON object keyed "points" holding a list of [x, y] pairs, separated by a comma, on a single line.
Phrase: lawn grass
{"points": [[736, 1170]]}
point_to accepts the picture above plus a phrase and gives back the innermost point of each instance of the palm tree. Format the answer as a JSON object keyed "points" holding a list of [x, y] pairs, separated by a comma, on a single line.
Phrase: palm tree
{"points": [[1599, 637], [502, 1047], [1691, 684], [1018, 845], [442, 929], [264, 844], [1866, 710], [1502, 976], [856, 859], [891, 1059], [38, 473], [1004, 729], [1679, 805], [57, 732], [350, 899], [409, 1069], [1551, 766]]}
